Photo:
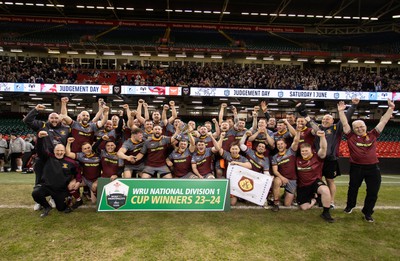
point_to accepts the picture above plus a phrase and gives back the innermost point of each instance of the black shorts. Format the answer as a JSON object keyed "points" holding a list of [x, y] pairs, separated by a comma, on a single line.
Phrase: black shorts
{"points": [[305, 194], [331, 169], [2, 156]]}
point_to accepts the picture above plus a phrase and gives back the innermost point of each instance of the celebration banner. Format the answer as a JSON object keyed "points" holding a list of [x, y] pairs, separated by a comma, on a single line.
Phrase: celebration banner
{"points": [[163, 195], [249, 185]]}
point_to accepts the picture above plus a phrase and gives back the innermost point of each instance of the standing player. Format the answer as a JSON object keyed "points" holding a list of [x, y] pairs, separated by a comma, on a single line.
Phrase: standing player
{"points": [[333, 135], [180, 160], [129, 150], [155, 149], [363, 160]]}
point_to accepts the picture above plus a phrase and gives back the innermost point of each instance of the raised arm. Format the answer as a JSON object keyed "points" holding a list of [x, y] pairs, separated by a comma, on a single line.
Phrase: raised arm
{"points": [[103, 121], [174, 113], [221, 113], [164, 114], [68, 151], [341, 106], [296, 140], [313, 124], [235, 114], [64, 102], [292, 130], [323, 145], [217, 129], [352, 108], [176, 134], [264, 108], [42, 153], [242, 142], [255, 117], [30, 118], [217, 145], [99, 113], [139, 112], [386, 117], [192, 143]]}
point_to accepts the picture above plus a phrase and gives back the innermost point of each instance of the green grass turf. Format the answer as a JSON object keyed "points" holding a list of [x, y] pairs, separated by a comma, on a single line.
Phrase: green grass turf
{"points": [[241, 234]]}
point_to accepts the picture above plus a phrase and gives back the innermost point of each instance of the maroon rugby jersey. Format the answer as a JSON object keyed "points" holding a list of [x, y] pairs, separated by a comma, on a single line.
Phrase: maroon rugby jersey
{"points": [[182, 162], [82, 133], [109, 164], [203, 161], [90, 165], [133, 149], [286, 164], [309, 170], [307, 137], [262, 138], [156, 150], [363, 148]]}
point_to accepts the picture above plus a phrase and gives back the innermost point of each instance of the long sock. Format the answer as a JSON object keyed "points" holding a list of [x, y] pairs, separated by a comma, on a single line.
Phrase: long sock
{"points": [[326, 210]]}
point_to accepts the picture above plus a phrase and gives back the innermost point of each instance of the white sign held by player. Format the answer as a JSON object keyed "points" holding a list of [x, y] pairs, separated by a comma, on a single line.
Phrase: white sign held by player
{"points": [[249, 185]]}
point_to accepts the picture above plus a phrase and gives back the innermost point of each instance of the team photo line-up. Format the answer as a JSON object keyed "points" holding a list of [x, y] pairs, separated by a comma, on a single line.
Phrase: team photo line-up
{"points": [[296, 151]]}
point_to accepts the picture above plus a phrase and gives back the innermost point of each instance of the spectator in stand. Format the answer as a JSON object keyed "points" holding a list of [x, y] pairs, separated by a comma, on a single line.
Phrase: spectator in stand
{"points": [[3, 147], [28, 152], [16, 152], [363, 159]]}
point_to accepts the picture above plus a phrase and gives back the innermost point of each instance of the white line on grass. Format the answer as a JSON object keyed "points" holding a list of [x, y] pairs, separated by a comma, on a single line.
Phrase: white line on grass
{"points": [[391, 177], [233, 207], [383, 182], [294, 207]]}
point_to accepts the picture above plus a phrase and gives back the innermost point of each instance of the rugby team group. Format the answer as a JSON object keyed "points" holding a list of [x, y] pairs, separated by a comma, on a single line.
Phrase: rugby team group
{"points": [[301, 155]]}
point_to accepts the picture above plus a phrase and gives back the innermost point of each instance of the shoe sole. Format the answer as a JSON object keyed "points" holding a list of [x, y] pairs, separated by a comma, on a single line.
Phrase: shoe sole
{"points": [[327, 220], [348, 212]]}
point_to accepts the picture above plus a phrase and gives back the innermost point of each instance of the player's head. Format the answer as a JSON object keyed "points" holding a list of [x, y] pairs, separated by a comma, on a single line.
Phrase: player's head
{"points": [[301, 123], [281, 126], [157, 131], [234, 149], [110, 146], [291, 118], [359, 127], [85, 117], [305, 150], [109, 125], [327, 121], [59, 151], [156, 116], [137, 134], [183, 144], [54, 119], [261, 148], [201, 145], [86, 148], [281, 145]]}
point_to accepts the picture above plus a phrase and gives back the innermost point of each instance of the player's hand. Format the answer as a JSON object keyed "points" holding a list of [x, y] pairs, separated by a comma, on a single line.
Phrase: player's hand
{"points": [[224, 105], [64, 100], [320, 133], [391, 104], [171, 103], [341, 106], [70, 140], [42, 134], [40, 107], [355, 100]]}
